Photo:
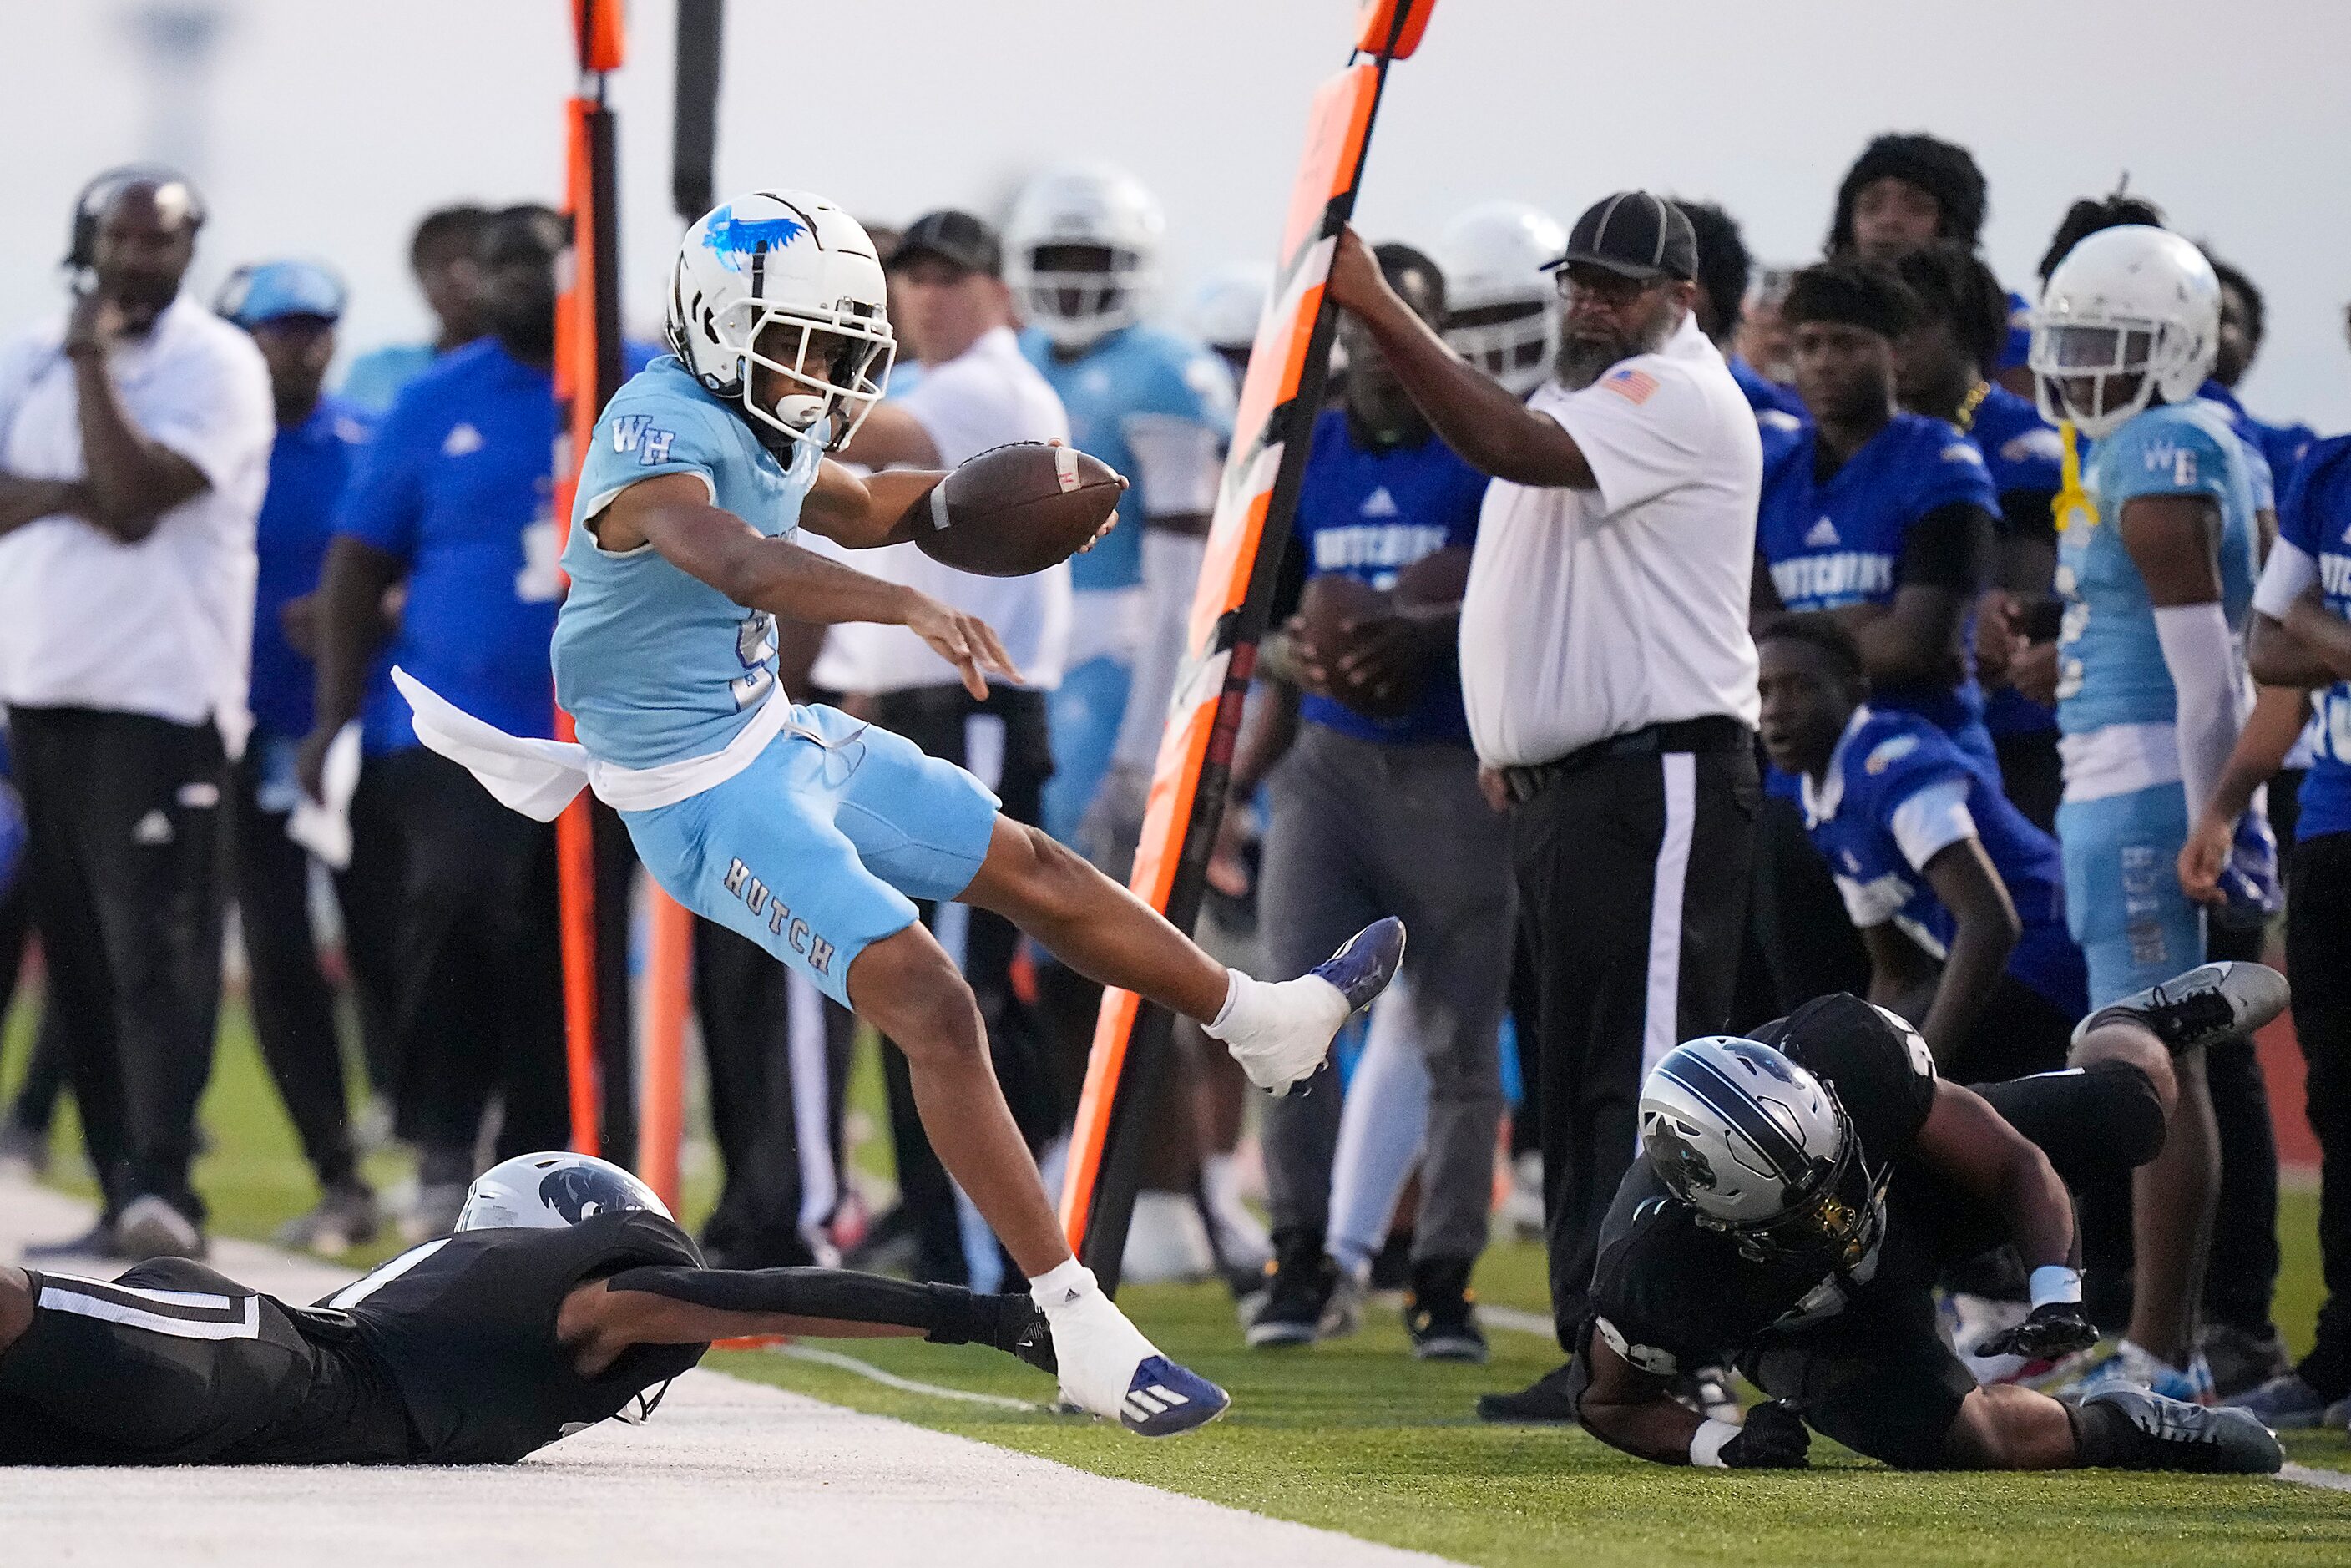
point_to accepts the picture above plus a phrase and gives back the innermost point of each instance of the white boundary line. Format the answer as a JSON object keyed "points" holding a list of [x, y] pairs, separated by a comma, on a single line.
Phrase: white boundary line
{"points": [[834, 1358], [2303, 1475]]}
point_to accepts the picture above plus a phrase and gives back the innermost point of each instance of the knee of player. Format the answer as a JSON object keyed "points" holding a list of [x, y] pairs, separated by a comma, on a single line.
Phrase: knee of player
{"points": [[16, 1306], [2135, 1105], [933, 1018], [1054, 877], [2127, 1045]]}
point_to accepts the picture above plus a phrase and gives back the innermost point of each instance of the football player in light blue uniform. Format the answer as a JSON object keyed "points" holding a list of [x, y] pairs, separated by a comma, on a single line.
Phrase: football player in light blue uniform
{"points": [[2155, 560], [803, 829], [1083, 248]]}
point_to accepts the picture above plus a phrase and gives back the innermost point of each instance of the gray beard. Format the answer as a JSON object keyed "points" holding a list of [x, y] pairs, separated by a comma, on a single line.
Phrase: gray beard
{"points": [[1578, 364]]}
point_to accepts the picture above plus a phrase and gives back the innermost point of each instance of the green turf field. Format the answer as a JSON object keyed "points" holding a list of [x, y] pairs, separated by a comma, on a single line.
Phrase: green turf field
{"points": [[1354, 1436]]}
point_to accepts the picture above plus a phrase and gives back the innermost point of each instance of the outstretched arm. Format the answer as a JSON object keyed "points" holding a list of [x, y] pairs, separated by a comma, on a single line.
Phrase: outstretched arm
{"points": [[665, 1304], [1630, 1409], [871, 511]]}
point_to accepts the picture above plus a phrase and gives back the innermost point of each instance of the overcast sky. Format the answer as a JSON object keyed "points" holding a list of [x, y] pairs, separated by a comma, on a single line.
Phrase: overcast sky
{"points": [[323, 127]]}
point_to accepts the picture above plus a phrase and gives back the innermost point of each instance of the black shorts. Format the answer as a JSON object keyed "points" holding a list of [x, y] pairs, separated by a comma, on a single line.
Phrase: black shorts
{"points": [[173, 1364]]}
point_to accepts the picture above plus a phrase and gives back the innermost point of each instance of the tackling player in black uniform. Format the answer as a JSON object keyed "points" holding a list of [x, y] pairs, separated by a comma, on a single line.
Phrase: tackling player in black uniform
{"points": [[567, 1296], [1801, 1192]]}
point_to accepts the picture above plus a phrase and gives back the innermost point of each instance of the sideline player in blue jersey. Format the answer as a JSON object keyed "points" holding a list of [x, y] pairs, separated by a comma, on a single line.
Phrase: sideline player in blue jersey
{"points": [[1083, 258], [2301, 642], [799, 828], [1725, 270], [2156, 561], [1959, 900], [1946, 360], [2244, 323], [1881, 517]]}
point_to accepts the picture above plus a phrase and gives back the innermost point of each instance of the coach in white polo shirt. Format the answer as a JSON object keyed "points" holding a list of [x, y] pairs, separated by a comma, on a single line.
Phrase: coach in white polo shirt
{"points": [[953, 313], [1610, 685], [134, 448]]}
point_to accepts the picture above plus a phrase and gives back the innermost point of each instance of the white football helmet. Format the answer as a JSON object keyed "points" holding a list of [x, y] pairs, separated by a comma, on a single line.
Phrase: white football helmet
{"points": [[1229, 305], [1493, 256], [550, 1191], [2133, 301], [758, 281], [1086, 204], [1762, 1150]]}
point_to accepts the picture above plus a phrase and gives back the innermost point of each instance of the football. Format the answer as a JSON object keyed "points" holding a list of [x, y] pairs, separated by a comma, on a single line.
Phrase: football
{"points": [[1018, 509], [1331, 608]]}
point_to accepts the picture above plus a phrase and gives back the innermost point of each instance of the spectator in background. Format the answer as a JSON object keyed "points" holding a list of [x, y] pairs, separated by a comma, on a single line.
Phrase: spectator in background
{"points": [[1762, 337], [954, 315], [1908, 191], [291, 309], [455, 500], [134, 448], [1377, 811], [1227, 310], [2243, 322], [1944, 373], [442, 256], [1724, 273]]}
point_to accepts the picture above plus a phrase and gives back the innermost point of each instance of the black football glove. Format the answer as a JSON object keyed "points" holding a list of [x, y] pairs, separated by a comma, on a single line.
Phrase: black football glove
{"points": [[1774, 1439], [2051, 1330]]}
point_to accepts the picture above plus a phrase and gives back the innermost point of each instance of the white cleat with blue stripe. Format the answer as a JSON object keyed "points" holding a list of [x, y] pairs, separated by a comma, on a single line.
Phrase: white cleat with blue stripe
{"points": [[1109, 1369]]}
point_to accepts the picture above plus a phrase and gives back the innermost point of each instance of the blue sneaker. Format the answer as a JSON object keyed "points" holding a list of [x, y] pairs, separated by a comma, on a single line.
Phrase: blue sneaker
{"points": [[1165, 1400], [2126, 1366], [1363, 968], [2285, 1403]]}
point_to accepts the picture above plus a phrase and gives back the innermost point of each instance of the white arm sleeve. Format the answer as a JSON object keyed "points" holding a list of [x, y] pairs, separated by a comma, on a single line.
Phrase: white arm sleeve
{"points": [[2202, 659], [2289, 572]]}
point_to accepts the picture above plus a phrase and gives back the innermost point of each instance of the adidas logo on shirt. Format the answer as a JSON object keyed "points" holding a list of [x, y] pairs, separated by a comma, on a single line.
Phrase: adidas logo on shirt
{"points": [[1823, 535], [1380, 504], [461, 439]]}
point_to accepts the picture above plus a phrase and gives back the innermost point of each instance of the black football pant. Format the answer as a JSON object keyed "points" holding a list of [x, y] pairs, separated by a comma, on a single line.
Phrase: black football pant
{"points": [[126, 871], [480, 978], [2317, 917], [1633, 880]]}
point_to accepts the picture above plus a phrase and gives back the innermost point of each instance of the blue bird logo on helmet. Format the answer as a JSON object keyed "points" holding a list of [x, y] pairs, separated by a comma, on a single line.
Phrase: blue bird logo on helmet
{"points": [[737, 239]]}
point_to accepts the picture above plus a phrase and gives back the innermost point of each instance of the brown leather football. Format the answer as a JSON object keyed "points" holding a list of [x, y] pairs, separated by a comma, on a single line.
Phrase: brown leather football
{"points": [[1018, 509], [1331, 608]]}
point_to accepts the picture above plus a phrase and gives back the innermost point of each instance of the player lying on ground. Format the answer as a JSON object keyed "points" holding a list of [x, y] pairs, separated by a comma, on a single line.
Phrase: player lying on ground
{"points": [[1802, 1191], [803, 829], [567, 1296]]}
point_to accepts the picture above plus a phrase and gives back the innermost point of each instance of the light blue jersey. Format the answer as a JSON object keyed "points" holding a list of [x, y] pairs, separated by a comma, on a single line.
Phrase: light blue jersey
{"points": [[1115, 392], [653, 665], [2110, 662]]}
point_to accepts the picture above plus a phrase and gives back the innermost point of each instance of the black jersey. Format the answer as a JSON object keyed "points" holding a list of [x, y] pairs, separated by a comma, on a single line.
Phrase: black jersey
{"points": [[1669, 1294], [466, 1326]]}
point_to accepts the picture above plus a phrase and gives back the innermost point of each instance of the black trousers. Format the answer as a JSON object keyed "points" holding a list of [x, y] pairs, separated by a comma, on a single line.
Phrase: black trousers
{"points": [[368, 893], [1004, 743], [779, 1060], [480, 976], [44, 1079], [293, 1005], [126, 872], [1798, 922], [1621, 977], [2316, 919], [2032, 775]]}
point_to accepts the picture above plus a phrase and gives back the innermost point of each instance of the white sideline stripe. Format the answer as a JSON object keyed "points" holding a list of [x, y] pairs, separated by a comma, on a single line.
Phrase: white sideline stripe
{"points": [[246, 1325], [1515, 1319], [2302, 1475], [834, 1358], [1661, 1016]]}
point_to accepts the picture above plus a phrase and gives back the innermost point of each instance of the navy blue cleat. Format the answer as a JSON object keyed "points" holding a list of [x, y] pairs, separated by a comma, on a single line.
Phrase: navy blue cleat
{"points": [[1363, 968], [1165, 1400]]}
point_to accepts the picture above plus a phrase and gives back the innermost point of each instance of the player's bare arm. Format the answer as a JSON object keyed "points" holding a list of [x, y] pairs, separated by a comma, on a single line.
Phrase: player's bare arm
{"points": [[2276, 723], [1911, 641], [672, 513], [23, 500], [1476, 415], [348, 625], [868, 512], [134, 479], [891, 437], [2312, 647], [1970, 1143], [1636, 1412], [1985, 929]]}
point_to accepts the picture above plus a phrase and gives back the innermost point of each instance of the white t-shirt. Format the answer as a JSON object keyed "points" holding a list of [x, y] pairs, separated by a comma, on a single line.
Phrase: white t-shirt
{"points": [[165, 626], [985, 396], [1595, 612]]}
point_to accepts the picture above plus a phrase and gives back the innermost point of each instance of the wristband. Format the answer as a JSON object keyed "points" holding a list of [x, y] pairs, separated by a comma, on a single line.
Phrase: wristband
{"points": [[1706, 1443], [2055, 1282]]}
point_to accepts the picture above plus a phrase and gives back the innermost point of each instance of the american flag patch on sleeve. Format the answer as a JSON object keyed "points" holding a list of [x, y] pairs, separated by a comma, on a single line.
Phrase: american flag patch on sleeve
{"points": [[1634, 386]]}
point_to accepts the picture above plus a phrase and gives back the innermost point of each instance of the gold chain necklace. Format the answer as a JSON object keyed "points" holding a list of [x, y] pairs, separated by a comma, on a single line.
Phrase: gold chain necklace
{"points": [[1966, 418]]}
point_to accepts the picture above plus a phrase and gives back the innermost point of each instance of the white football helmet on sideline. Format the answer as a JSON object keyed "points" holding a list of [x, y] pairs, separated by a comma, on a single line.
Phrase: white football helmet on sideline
{"points": [[1099, 208], [760, 281], [1493, 256], [2130, 302], [1229, 305], [1763, 1152], [550, 1191]]}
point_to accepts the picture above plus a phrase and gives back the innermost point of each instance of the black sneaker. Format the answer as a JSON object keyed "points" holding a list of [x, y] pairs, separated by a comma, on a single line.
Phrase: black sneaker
{"points": [[1441, 1313], [1543, 1400], [1298, 1282], [2242, 1361], [2209, 1003], [2158, 1434]]}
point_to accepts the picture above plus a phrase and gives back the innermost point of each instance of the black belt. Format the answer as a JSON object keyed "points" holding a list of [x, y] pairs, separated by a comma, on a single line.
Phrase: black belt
{"points": [[1716, 732]]}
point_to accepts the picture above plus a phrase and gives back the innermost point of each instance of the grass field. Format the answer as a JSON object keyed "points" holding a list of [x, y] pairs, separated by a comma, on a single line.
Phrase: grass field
{"points": [[1354, 1436]]}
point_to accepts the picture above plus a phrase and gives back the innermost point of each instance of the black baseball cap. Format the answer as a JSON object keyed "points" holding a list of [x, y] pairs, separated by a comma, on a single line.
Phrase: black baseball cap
{"points": [[1633, 235], [955, 238]]}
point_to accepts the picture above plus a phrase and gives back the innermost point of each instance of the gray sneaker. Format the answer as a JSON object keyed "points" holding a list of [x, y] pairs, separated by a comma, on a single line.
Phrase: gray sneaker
{"points": [[2241, 1362], [2209, 1003], [436, 1213], [151, 1228], [345, 1217], [2285, 1403], [24, 1151]]}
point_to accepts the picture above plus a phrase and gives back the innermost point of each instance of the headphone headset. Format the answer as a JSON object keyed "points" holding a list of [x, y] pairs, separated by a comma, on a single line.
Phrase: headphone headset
{"points": [[89, 207]]}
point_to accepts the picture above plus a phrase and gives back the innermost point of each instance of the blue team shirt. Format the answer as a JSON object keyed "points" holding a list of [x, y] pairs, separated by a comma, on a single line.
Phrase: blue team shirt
{"points": [[1835, 542], [376, 378], [1857, 820], [654, 665], [1774, 405], [1367, 515], [309, 468], [2110, 667], [2017, 350], [2281, 447], [459, 484], [1137, 373], [2022, 451], [2315, 516]]}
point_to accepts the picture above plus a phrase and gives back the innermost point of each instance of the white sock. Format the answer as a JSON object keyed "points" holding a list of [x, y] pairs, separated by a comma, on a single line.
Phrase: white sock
{"points": [[1260, 1013], [1062, 1287]]}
